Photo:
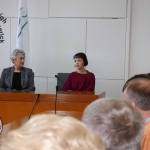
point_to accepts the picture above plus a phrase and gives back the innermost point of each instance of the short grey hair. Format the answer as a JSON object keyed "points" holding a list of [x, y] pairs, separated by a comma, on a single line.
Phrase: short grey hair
{"points": [[116, 122], [16, 52], [138, 90]]}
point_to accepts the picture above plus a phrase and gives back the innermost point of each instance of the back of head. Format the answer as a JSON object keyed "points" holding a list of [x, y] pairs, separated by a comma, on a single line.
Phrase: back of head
{"points": [[145, 76], [116, 122], [51, 132], [83, 56], [138, 90]]}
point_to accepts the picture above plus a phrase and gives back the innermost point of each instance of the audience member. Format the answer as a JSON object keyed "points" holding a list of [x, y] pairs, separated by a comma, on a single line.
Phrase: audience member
{"points": [[51, 132], [137, 92], [147, 76], [116, 122]]}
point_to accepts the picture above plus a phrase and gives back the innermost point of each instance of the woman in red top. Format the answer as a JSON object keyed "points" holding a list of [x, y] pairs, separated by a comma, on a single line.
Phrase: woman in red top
{"points": [[80, 80]]}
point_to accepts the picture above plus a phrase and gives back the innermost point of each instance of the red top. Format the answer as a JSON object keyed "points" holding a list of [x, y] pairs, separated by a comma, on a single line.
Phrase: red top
{"points": [[80, 82]]}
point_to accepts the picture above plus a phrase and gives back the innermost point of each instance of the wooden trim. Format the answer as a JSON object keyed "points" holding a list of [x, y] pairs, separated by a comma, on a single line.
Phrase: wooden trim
{"points": [[16, 105]]}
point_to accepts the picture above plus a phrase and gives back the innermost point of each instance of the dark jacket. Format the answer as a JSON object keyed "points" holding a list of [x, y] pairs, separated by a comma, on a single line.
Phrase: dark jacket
{"points": [[27, 79]]}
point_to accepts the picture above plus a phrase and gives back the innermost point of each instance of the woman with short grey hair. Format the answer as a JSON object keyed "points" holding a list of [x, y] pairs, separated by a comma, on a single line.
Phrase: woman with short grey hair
{"points": [[15, 53], [17, 77]]}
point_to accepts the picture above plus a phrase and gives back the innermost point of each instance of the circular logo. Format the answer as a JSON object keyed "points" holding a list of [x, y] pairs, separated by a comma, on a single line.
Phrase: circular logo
{"points": [[1, 126]]}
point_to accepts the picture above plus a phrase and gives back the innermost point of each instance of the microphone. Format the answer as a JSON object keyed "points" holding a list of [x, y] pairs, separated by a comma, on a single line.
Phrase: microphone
{"points": [[37, 97], [56, 103], [55, 100], [62, 82]]}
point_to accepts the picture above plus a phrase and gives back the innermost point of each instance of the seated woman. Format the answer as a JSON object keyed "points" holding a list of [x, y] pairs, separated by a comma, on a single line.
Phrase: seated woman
{"points": [[80, 80], [17, 77]]}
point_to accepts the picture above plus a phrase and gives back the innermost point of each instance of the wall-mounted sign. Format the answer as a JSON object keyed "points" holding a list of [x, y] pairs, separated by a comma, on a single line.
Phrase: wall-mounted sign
{"points": [[2, 19], [1, 35]]}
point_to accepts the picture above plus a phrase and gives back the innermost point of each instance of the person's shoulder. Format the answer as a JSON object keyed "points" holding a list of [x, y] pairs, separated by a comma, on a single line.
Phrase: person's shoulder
{"points": [[73, 73], [147, 129], [90, 73], [27, 69], [7, 69]]}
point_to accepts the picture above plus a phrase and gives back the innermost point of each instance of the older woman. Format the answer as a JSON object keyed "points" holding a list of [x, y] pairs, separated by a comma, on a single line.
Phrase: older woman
{"points": [[82, 79], [17, 77]]}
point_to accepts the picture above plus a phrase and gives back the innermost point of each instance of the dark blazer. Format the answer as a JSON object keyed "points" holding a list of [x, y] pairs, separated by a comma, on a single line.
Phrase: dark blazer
{"points": [[27, 79]]}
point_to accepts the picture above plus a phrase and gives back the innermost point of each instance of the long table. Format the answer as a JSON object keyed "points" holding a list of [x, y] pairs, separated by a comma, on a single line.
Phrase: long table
{"points": [[16, 105]]}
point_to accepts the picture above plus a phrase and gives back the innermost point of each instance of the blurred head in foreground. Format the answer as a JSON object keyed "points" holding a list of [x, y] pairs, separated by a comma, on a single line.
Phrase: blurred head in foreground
{"points": [[138, 76], [137, 92], [116, 122], [51, 132]]}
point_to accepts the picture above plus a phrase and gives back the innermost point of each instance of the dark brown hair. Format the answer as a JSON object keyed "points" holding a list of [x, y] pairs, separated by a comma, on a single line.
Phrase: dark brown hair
{"points": [[83, 56]]}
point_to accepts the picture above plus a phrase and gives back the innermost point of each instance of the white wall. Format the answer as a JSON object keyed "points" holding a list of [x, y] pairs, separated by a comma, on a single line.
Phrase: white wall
{"points": [[140, 37], [59, 29]]}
